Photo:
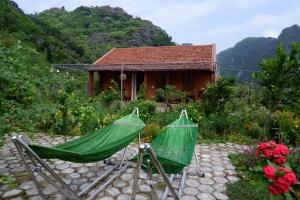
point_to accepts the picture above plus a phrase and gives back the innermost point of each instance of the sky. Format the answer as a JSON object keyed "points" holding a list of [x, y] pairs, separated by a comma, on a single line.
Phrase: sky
{"points": [[223, 22]]}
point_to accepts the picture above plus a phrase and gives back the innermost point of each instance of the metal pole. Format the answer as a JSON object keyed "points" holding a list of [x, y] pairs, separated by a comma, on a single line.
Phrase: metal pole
{"points": [[121, 77], [166, 193], [161, 170], [181, 184], [31, 173], [43, 164], [153, 192], [137, 171]]}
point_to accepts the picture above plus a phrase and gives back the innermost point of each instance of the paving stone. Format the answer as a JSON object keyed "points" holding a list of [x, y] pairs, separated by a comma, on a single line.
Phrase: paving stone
{"points": [[82, 170], [205, 196], [144, 188], [120, 183], [217, 168], [127, 190], [232, 178], [206, 181], [67, 171], [191, 191], [124, 197], [75, 175], [62, 166], [206, 188], [142, 197], [188, 197], [27, 185], [105, 198], [192, 182], [219, 173], [49, 190], [220, 196], [220, 179], [230, 172], [12, 193], [35, 198], [126, 177], [74, 187], [219, 187], [112, 191], [17, 198], [79, 181]]}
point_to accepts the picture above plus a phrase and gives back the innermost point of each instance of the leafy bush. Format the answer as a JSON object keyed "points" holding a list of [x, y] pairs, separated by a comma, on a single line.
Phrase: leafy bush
{"points": [[245, 190], [216, 95], [285, 127], [147, 108], [280, 79], [150, 132], [111, 94]]}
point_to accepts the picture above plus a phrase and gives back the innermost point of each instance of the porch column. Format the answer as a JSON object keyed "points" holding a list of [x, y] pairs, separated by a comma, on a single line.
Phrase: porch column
{"points": [[145, 84], [91, 83]]}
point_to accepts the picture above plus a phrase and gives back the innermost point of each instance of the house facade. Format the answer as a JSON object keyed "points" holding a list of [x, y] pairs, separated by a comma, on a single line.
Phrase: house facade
{"points": [[188, 68]]}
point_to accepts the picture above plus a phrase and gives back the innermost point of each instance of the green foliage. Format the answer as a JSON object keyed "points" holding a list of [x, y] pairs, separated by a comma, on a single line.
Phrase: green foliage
{"points": [[280, 79], [294, 160], [169, 94], [245, 190], [141, 94], [111, 94], [15, 25], [95, 30], [216, 95], [4, 179], [285, 127], [150, 132], [147, 108]]}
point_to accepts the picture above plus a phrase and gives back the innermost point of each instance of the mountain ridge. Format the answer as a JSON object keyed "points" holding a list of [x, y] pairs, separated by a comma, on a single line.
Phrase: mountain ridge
{"points": [[242, 59]]}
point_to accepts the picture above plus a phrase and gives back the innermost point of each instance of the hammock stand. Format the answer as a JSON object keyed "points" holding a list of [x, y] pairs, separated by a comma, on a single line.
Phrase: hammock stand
{"points": [[146, 149], [35, 164]]}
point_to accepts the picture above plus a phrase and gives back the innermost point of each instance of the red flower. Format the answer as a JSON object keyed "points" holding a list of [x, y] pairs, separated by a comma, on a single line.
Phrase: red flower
{"points": [[282, 184], [286, 170], [283, 149], [273, 189], [291, 178], [268, 153], [263, 146], [269, 172], [280, 160], [277, 151]]}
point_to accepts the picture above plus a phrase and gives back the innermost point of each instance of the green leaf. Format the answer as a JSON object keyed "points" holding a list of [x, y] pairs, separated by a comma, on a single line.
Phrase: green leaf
{"points": [[288, 196]]}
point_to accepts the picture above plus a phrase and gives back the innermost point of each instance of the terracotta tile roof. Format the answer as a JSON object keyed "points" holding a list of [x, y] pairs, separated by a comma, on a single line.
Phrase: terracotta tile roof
{"points": [[198, 57]]}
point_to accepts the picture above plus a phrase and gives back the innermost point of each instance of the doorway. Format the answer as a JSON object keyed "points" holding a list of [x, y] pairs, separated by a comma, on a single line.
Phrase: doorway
{"points": [[136, 82]]}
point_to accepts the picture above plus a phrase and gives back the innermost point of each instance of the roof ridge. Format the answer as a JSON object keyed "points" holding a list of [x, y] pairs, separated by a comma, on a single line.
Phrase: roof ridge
{"points": [[196, 45]]}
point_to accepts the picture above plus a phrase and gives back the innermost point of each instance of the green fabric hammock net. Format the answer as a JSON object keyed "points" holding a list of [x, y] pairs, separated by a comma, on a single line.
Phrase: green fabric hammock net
{"points": [[174, 147], [97, 145]]}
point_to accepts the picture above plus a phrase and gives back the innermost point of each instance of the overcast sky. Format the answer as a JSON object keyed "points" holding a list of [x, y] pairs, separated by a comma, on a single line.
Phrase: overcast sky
{"points": [[223, 22]]}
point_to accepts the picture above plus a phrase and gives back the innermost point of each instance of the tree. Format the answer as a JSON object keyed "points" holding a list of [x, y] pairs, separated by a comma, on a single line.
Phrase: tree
{"points": [[280, 79]]}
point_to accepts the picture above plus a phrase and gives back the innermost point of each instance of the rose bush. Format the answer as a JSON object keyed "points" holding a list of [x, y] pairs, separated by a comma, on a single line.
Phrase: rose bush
{"points": [[278, 172]]}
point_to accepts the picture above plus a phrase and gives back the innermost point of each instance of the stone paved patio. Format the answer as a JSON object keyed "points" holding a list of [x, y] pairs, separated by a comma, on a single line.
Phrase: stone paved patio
{"points": [[214, 162]]}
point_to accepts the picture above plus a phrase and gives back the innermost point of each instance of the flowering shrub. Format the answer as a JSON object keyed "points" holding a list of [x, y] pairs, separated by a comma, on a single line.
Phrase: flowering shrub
{"points": [[277, 171], [274, 152], [282, 179]]}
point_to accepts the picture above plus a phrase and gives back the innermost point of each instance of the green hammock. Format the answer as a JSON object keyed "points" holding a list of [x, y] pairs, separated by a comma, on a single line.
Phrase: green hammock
{"points": [[174, 147], [97, 145]]}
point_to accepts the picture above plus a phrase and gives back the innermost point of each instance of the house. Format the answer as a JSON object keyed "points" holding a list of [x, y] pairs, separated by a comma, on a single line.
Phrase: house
{"points": [[188, 68]]}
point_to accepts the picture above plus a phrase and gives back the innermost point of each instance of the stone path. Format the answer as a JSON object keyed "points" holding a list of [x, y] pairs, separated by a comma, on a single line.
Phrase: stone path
{"points": [[213, 158]]}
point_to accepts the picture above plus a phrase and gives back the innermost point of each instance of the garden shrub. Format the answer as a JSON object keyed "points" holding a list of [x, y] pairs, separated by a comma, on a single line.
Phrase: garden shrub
{"points": [[216, 95], [245, 190], [165, 118], [111, 94], [150, 132], [147, 108], [285, 127]]}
